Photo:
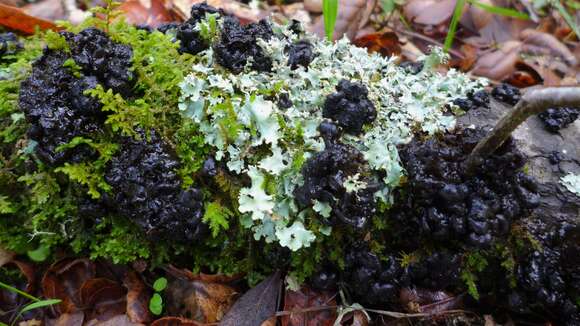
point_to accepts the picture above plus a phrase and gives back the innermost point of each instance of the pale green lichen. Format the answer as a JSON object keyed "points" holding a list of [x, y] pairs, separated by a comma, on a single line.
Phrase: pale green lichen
{"points": [[572, 183], [254, 136]]}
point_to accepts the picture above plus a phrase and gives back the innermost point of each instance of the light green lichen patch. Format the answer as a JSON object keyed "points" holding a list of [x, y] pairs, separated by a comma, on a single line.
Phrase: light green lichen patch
{"points": [[240, 119], [572, 183]]}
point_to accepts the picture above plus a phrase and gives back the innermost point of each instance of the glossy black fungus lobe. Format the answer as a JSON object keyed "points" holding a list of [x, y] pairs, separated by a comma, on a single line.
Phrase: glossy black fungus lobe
{"points": [[300, 54], [506, 93], [350, 107], [238, 44], [324, 176], [53, 102], [440, 202], [190, 39], [374, 281], [555, 119], [473, 101], [99, 56], [147, 190]]}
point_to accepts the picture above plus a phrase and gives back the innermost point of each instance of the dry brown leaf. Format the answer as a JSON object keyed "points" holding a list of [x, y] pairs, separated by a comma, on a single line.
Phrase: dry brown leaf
{"points": [[385, 43], [359, 319], [102, 298], [308, 298], [70, 319], [16, 19], [272, 321], [352, 16], [31, 322], [64, 279], [6, 256], [238, 9], [532, 38], [429, 12], [175, 321], [313, 6], [148, 12], [498, 64], [137, 298], [50, 10], [205, 302], [209, 278], [119, 320], [428, 301]]}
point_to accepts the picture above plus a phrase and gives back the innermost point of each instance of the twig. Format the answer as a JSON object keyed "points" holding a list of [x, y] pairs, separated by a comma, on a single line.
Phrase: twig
{"points": [[392, 314], [534, 101]]}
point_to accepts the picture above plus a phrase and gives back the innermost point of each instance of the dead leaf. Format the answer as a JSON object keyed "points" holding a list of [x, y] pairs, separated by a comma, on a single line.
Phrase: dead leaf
{"points": [[6, 256], [429, 12], [103, 298], [532, 38], [352, 16], [313, 6], [272, 321], [119, 320], [63, 281], [209, 278], [205, 302], [175, 321], [10, 301], [359, 319], [308, 298], [31, 322], [238, 9], [70, 319], [498, 64], [257, 305], [527, 75], [50, 10], [427, 301], [385, 43], [149, 12], [17, 20], [137, 298]]}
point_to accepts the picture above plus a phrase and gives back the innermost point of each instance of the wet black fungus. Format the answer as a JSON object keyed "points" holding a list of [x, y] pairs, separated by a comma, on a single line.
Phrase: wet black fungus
{"points": [[9, 44], [374, 281], [191, 40], [166, 27], [324, 177], [506, 93], [442, 203], [53, 102], [209, 168], [325, 279], [548, 279], [147, 190], [555, 119], [284, 101], [238, 44], [99, 56], [300, 53], [440, 270], [473, 101], [350, 107]]}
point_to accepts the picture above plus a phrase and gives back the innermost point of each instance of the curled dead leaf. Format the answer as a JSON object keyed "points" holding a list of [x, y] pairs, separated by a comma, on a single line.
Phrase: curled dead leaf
{"points": [[102, 299], [175, 321], [352, 16], [69, 319], [149, 12], [63, 280], [385, 43], [533, 39], [429, 12], [205, 302], [119, 320], [137, 298], [17, 20], [498, 64], [209, 278], [307, 298]]}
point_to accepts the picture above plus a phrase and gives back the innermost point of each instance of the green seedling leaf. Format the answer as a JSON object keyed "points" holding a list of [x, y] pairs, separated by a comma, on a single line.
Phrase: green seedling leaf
{"points": [[330, 12], [156, 304], [160, 284], [17, 291], [39, 254], [508, 12], [457, 13]]}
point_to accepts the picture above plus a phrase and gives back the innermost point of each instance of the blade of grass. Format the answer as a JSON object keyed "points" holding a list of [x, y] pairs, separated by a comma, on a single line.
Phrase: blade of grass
{"points": [[330, 12], [567, 17], [502, 11], [457, 12], [35, 305], [17, 291]]}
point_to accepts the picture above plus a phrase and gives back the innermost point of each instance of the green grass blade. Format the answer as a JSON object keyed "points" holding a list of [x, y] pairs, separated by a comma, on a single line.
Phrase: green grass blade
{"points": [[330, 12], [567, 17], [502, 11], [17, 291], [453, 25], [39, 304]]}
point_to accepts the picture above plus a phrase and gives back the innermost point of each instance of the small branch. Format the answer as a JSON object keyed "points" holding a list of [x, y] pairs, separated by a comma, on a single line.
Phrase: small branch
{"points": [[534, 101]]}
